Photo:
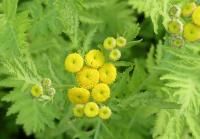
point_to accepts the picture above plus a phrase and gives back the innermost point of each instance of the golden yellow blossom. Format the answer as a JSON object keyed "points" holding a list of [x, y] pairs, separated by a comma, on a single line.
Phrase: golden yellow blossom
{"points": [[101, 92], [196, 16], [94, 58], [78, 110], [191, 32], [73, 62], [78, 95], [91, 109], [105, 112], [107, 73], [37, 90], [188, 9], [175, 27], [87, 77], [109, 43]]}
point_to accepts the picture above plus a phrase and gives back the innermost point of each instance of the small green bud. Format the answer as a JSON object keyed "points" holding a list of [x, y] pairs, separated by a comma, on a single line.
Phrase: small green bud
{"points": [[109, 43], [121, 42], [115, 54], [46, 82], [174, 11], [52, 91], [44, 98], [177, 41]]}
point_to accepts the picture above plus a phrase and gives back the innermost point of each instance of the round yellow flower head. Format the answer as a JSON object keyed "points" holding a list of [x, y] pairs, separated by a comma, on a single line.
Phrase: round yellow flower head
{"points": [[115, 54], [121, 42], [196, 16], [91, 109], [73, 62], [37, 90], [78, 110], [109, 43], [95, 58], [105, 112], [78, 95], [101, 92], [175, 27], [87, 77], [108, 73], [174, 11], [188, 9], [191, 32]]}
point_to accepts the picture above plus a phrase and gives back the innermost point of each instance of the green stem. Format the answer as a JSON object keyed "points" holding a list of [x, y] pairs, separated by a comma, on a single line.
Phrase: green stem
{"points": [[97, 129], [63, 85]]}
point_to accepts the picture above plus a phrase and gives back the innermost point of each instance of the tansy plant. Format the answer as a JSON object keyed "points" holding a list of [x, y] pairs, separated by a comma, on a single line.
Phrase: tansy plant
{"points": [[99, 69], [44, 92], [191, 29], [93, 78]]}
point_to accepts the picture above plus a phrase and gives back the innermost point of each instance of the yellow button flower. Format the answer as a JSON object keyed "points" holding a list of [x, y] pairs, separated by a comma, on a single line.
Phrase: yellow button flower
{"points": [[191, 32], [37, 90], [91, 109], [108, 73], [196, 16], [78, 110], [188, 9], [105, 112], [175, 27], [73, 62], [121, 42], [78, 95], [101, 92], [87, 77], [95, 58], [109, 43], [115, 54]]}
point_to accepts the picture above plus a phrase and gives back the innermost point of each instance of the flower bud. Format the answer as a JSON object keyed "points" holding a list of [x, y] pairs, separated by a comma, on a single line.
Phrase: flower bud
{"points": [[52, 91], [175, 27], [37, 90], [174, 11], [109, 43], [46, 82], [121, 41], [115, 54], [177, 41]]}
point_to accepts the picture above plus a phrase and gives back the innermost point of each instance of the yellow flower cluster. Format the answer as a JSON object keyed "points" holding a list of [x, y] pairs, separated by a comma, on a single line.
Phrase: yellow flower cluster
{"points": [[113, 45], [43, 91], [190, 31], [93, 75]]}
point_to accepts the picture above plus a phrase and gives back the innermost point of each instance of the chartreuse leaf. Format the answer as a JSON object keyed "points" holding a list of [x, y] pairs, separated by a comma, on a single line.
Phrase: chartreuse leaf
{"points": [[155, 9], [182, 87], [15, 28], [10, 8], [32, 114]]}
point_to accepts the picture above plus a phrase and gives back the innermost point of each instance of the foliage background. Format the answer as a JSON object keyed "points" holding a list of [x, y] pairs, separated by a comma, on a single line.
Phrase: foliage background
{"points": [[156, 95]]}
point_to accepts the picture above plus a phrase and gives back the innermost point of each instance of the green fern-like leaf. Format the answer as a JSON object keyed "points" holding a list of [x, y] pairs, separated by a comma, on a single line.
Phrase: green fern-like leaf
{"points": [[182, 86], [32, 114]]}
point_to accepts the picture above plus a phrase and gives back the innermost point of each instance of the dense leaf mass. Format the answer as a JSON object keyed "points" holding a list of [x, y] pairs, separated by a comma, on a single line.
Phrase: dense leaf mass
{"points": [[156, 93]]}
